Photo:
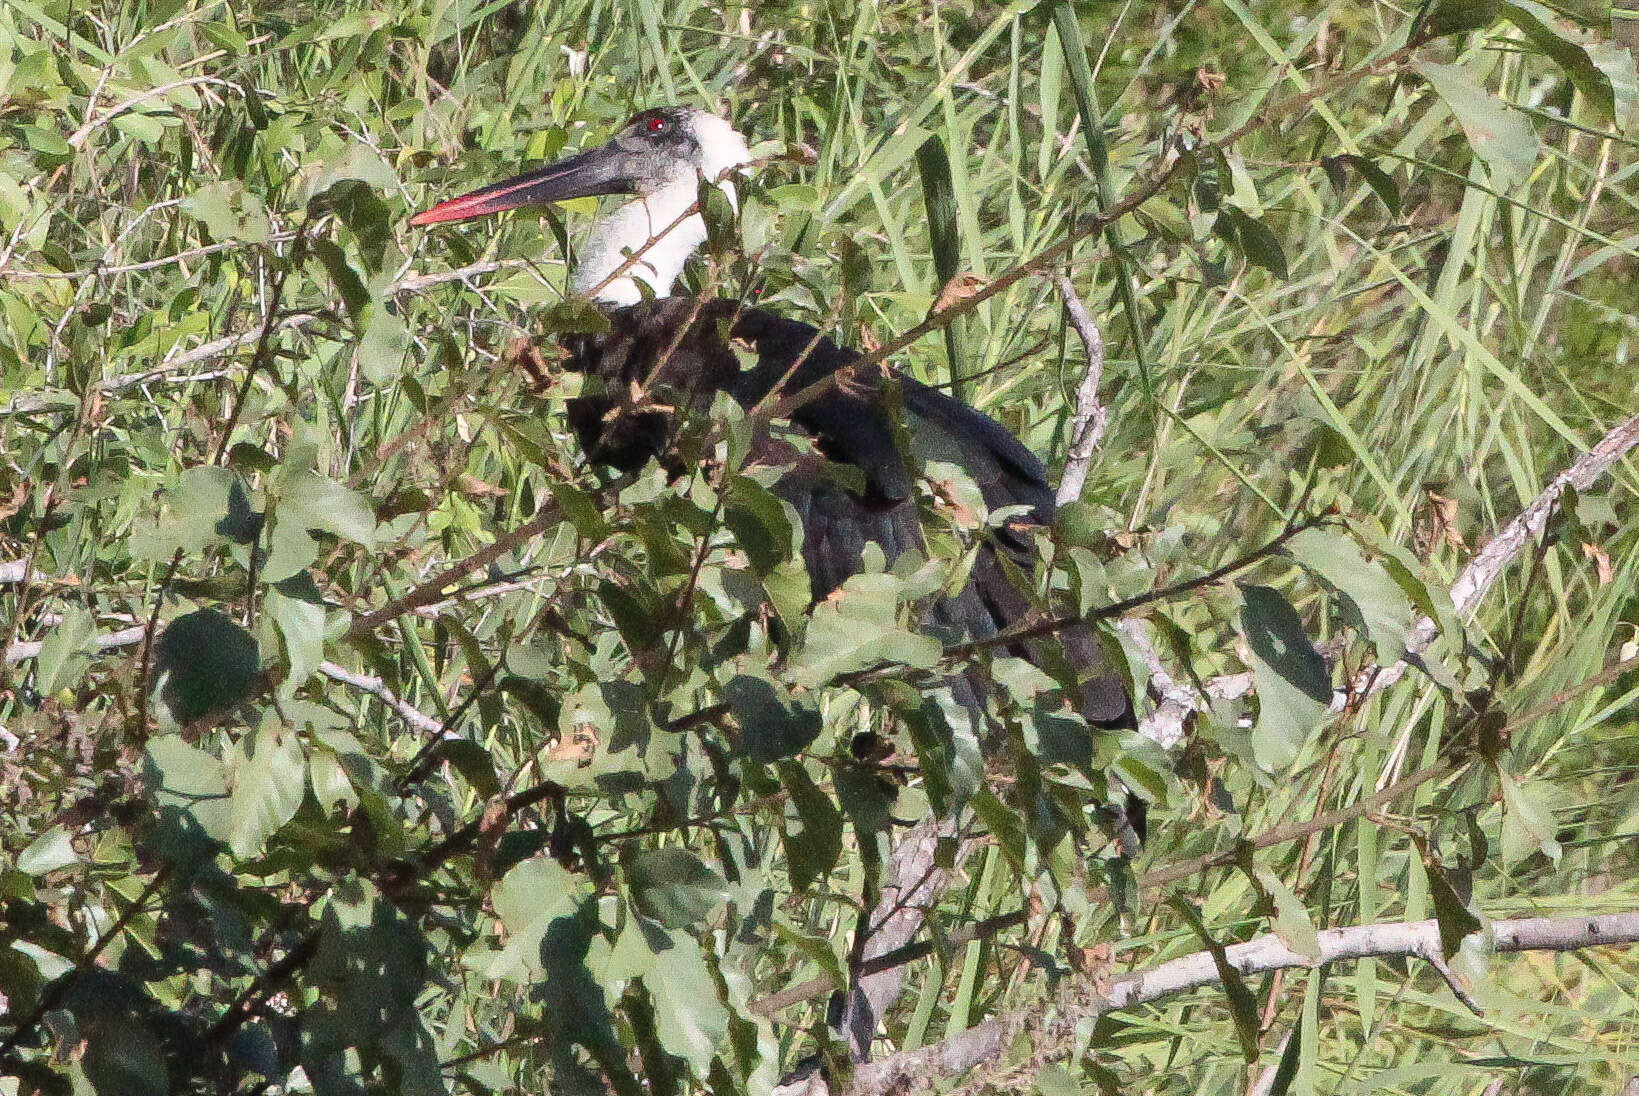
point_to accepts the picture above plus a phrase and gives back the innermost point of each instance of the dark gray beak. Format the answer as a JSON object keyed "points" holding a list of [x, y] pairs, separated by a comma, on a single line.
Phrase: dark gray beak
{"points": [[607, 169]]}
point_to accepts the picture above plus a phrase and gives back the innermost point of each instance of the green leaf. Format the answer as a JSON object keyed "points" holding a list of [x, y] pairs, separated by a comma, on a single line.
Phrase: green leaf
{"points": [[268, 782], [1254, 239], [758, 521], [939, 202], [857, 627], [528, 899], [190, 781], [312, 501], [347, 280], [212, 205], [331, 785], [1600, 71], [1378, 606], [1292, 922], [370, 965], [297, 610], [772, 724], [1293, 686], [1448, 17], [1243, 1006], [122, 1057], [473, 762], [1381, 182], [383, 345], [204, 663], [674, 887], [51, 850], [361, 209], [1501, 137], [1454, 918], [813, 848], [689, 1014], [580, 509], [635, 622], [191, 515], [1004, 824], [865, 797], [1527, 824], [65, 653], [573, 315]]}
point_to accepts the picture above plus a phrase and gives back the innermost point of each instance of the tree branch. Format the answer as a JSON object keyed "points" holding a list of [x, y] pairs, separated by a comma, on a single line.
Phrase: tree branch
{"points": [[1473, 583], [1091, 417], [1415, 939]]}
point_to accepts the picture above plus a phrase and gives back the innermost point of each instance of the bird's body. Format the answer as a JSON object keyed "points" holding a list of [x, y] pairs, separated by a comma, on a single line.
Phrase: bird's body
{"points": [[663, 355], [673, 350]]}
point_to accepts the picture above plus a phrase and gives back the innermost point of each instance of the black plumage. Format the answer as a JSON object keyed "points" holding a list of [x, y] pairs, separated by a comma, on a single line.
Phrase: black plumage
{"points": [[675, 353]]}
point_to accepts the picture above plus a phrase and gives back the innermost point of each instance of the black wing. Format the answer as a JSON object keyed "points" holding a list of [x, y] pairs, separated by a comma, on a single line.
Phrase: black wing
{"points": [[677, 352]]}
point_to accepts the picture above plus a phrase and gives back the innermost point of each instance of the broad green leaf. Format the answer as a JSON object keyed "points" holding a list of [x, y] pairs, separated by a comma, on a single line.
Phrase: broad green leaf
{"points": [[857, 627], [1376, 603], [51, 850], [204, 664], [1527, 824], [212, 204], [1500, 136], [1381, 182], [189, 780], [528, 899], [1292, 922], [268, 779], [689, 1014], [1455, 919], [193, 514], [122, 1056], [1254, 239], [813, 848], [758, 521], [1293, 686], [347, 281], [65, 653], [865, 796], [772, 724], [298, 610], [674, 887], [1600, 71], [383, 345], [312, 501]]}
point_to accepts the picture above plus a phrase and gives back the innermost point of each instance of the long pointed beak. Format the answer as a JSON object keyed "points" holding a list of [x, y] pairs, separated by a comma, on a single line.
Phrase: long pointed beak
{"points": [[606, 169]]}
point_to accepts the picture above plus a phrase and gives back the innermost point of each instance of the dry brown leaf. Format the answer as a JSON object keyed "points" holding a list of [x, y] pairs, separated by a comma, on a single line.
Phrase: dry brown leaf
{"points": [[580, 746], [1601, 562], [959, 288], [1445, 519]]}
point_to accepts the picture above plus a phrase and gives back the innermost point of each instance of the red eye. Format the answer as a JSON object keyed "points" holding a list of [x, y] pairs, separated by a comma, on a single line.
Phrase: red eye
{"points": [[656, 125]]}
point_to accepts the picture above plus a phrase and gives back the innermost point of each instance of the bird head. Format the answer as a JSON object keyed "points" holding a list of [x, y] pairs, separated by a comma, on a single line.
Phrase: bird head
{"points": [[656, 150]]}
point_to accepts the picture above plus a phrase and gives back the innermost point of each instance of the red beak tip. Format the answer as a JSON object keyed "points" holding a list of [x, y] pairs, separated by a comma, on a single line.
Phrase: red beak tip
{"points": [[432, 216]]}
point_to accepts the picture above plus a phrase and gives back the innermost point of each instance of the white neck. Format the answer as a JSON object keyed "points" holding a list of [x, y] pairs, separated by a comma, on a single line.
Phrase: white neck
{"points": [[647, 227]]}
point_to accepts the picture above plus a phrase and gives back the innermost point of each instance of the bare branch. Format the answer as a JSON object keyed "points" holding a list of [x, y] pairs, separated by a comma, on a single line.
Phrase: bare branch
{"points": [[1482, 572], [1416, 939], [125, 637], [1473, 583], [378, 689], [1091, 417], [914, 884]]}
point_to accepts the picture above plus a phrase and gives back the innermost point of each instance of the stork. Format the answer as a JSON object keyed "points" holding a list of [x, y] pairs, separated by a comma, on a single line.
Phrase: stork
{"points": [[656, 343]]}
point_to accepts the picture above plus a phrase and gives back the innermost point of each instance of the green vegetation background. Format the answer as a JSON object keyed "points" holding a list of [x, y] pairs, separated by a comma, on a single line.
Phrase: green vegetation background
{"points": [[237, 389]]}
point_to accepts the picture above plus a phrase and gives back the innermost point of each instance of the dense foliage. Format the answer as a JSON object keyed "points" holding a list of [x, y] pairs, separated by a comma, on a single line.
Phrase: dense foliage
{"points": [[359, 737]]}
